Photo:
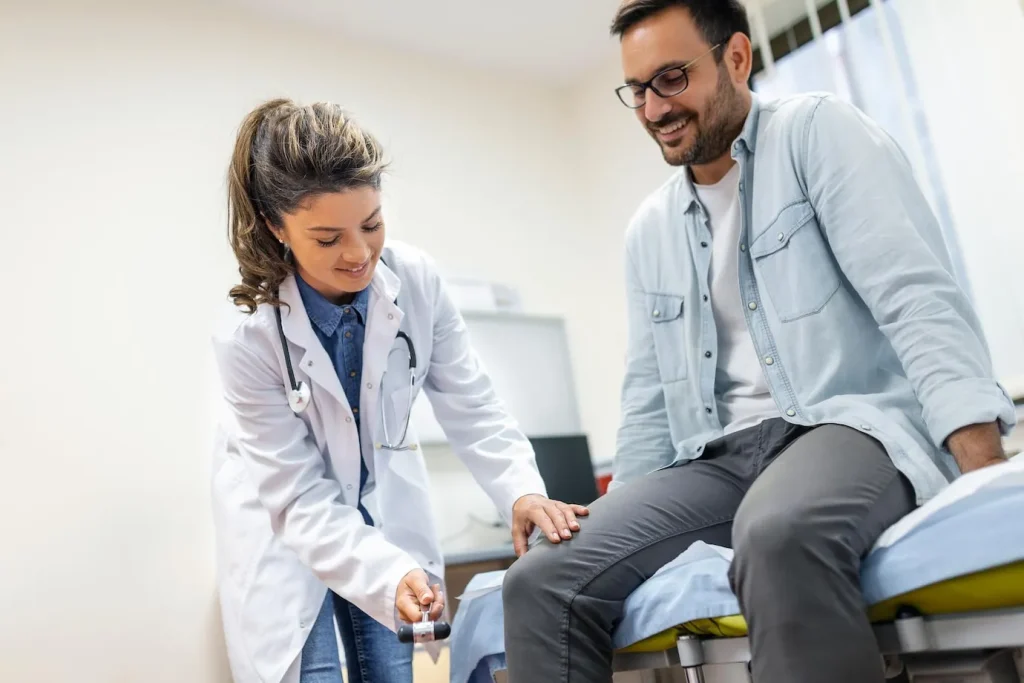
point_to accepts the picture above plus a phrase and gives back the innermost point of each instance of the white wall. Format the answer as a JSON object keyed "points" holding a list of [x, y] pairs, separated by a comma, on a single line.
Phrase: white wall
{"points": [[118, 123]]}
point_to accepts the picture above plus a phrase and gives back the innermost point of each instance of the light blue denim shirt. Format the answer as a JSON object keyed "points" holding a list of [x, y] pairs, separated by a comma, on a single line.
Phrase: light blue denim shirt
{"points": [[848, 291]]}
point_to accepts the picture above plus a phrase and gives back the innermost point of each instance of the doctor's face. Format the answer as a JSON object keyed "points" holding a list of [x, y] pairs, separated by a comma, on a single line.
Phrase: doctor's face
{"points": [[336, 239]]}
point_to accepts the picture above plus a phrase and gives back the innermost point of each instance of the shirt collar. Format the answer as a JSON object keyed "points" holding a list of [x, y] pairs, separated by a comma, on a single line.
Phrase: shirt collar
{"points": [[747, 138], [326, 315]]}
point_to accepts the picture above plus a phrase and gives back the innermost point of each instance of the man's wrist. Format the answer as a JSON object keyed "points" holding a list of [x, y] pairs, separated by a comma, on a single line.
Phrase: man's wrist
{"points": [[976, 446]]}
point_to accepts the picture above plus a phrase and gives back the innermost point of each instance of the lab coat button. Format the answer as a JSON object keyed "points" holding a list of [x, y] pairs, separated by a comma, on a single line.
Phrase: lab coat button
{"points": [[866, 428], [391, 316], [369, 385], [349, 487], [752, 306], [780, 237], [769, 361], [743, 247], [791, 412], [348, 419]]}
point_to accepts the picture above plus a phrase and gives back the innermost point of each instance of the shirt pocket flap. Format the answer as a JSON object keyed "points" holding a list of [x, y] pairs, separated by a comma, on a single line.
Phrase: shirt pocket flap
{"points": [[663, 308], [777, 235]]}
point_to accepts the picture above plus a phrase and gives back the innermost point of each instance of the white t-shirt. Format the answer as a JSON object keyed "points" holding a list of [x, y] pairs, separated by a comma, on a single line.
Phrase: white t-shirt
{"points": [[740, 387]]}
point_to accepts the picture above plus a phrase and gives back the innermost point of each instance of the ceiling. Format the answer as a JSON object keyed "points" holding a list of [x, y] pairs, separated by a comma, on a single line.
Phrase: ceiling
{"points": [[552, 41]]}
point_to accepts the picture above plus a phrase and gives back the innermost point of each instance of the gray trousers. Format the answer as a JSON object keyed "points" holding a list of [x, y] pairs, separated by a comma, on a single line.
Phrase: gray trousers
{"points": [[800, 507]]}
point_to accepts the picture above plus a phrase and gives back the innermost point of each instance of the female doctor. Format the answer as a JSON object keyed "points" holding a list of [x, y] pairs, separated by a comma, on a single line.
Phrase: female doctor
{"points": [[320, 490]]}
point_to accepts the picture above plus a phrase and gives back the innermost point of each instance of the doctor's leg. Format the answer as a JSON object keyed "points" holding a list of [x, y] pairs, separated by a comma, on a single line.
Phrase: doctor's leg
{"points": [[373, 653], [799, 536], [320, 660]]}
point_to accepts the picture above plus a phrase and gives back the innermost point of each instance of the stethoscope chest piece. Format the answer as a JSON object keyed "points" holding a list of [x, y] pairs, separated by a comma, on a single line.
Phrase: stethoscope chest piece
{"points": [[298, 398]]}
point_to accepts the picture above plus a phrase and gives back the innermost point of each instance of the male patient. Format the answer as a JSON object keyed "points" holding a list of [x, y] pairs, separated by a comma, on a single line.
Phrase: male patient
{"points": [[802, 367]]}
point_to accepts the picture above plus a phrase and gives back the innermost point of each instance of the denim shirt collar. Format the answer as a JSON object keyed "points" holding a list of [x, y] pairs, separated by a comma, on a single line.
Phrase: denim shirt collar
{"points": [[326, 315], [746, 139]]}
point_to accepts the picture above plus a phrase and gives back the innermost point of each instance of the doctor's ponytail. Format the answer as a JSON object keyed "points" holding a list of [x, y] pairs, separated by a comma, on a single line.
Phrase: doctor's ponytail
{"points": [[284, 153]]}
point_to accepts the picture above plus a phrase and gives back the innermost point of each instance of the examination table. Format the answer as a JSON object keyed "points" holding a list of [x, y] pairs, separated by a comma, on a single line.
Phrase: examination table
{"points": [[944, 588]]}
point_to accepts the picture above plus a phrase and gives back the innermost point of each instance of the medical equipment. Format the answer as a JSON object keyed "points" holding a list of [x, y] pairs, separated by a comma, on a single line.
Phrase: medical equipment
{"points": [[944, 588], [425, 631], [298, 394], [387, 444]]}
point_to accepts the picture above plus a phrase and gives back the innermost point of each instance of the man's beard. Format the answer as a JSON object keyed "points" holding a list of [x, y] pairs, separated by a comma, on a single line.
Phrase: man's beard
{"points": [[717, 127]]}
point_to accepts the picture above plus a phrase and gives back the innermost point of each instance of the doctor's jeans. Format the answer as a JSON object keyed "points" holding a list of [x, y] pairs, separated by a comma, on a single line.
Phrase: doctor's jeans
{"points": [[373, 653], [800, 506]]}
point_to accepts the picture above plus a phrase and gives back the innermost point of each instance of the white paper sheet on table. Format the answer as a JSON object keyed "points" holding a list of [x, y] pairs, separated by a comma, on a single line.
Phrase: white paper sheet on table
{"points": [[482, 584], [1007, 474]]}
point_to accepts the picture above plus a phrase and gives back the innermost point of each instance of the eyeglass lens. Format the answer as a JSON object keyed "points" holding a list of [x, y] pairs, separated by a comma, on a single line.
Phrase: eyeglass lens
{"points": [[666, 84]]}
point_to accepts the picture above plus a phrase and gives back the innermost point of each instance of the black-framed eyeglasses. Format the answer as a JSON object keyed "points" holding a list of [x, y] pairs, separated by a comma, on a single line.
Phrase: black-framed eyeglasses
{"points": [[666, 83]]}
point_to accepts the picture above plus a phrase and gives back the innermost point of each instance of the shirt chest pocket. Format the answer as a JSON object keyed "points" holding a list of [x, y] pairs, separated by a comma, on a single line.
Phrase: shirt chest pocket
{"points": [[668, 327], [794, 264]]}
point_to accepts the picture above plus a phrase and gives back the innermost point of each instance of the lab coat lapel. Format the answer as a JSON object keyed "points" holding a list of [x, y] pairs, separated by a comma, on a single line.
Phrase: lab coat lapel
{"points": [[314, 361], [383, 321]]}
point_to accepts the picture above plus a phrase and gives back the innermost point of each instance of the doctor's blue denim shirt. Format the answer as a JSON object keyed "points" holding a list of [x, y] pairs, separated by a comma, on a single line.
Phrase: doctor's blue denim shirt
{"points": [[341, 330], [848, 291]]}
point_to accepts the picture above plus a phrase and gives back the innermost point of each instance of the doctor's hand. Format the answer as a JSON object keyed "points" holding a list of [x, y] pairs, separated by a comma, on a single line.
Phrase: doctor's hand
{"points": [[414, 594], [556, 519]]}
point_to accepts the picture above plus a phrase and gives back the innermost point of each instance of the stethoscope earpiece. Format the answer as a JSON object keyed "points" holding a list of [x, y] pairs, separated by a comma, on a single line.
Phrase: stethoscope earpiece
{"points": [[298, 398]]}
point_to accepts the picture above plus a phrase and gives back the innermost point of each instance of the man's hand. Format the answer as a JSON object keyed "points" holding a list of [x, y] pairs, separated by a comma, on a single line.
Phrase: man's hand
{"points": [[556, 519], [976, 446], [414, 594]]}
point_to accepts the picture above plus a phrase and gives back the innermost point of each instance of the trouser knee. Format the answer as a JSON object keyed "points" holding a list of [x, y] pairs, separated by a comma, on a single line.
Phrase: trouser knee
{"points": [[533, 578], [777, 548]]}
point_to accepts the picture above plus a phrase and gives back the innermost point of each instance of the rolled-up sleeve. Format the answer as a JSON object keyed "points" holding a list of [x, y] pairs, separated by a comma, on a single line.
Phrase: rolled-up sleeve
{"points": [[888, 244]]}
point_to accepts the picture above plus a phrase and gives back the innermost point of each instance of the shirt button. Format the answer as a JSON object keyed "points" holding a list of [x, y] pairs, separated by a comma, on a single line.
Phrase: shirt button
{"points": [[707, 410], [752, 306], [355, 411], [743, 247], [866, 428], [705, 297], [704, 244], [780, 237], [769, 360], [791, 412], [656, 313], [347, 311], [352, 374], [348, 335], [707, 354]]}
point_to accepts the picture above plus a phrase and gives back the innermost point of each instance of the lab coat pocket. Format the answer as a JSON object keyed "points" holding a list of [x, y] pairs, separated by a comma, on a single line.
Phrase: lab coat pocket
{"points": [[668, 327], [395, 428], [794, 264]]}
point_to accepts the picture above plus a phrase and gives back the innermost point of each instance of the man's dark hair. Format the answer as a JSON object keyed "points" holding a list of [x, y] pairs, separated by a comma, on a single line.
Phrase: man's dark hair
{"points": [[717, 20]]}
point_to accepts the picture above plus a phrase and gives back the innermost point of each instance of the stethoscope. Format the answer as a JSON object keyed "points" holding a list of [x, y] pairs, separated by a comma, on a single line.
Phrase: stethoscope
{"points": [[299, 393]]}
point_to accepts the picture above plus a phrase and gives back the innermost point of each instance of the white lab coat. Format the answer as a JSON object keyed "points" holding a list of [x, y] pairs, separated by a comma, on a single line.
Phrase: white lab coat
{"points": [[285, 486]]}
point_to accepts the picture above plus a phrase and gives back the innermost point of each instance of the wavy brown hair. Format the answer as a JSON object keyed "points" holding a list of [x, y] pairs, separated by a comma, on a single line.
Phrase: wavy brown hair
{"points": [[284, 154]]}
